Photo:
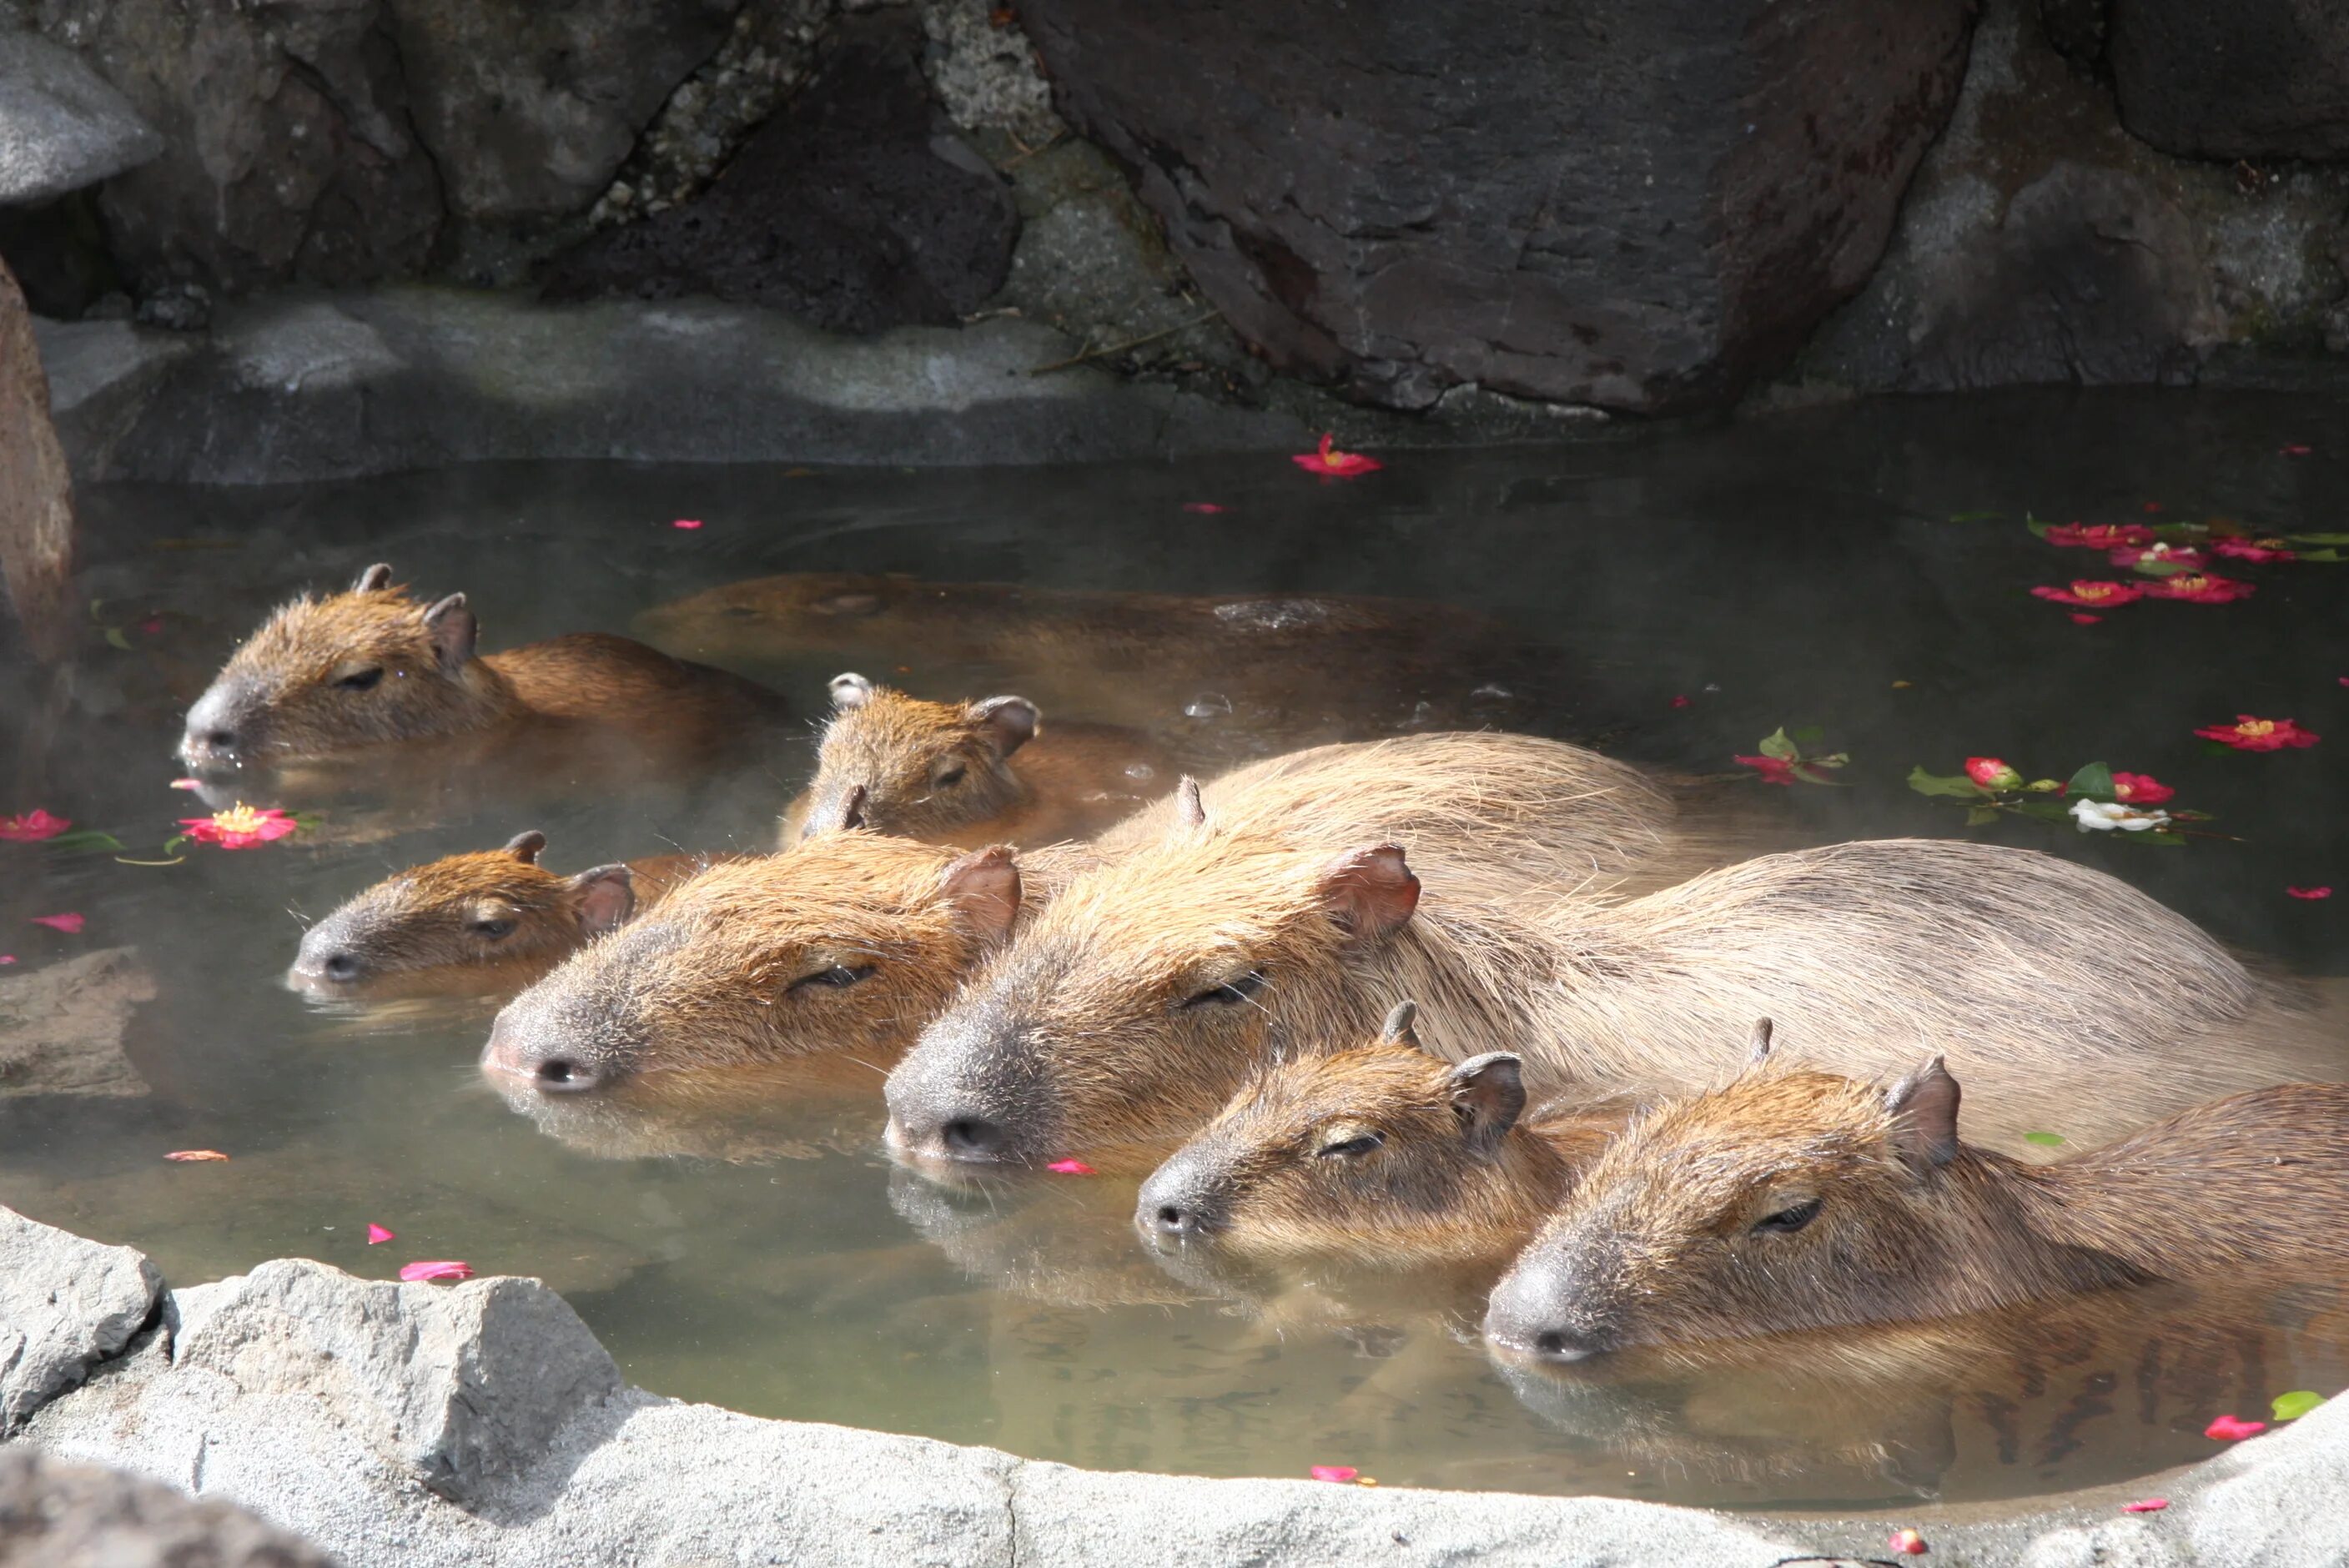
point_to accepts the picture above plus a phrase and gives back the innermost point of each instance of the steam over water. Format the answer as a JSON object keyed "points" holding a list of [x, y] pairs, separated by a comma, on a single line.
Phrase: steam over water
{"points": [[1807, 570]]}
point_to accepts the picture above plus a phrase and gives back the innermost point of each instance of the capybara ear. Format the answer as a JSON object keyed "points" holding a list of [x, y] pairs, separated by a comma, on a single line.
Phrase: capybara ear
{"points": [[374, 580], [1758, 1044], [1371, 891], [607, 897], [1488, 1092], [1190, 811], [849, 690], [1924, 1108], [985, 886], [453, 631], [524, 846], [851, 809], [1397, 1030], [1008, 722]]}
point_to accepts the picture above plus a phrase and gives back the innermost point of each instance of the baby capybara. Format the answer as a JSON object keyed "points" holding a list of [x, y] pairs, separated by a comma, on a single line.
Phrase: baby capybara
{"points": [[1134, 1006], [973, 774], [1806, 1200], [1381, 1153], [489, 919], [324, 678]]}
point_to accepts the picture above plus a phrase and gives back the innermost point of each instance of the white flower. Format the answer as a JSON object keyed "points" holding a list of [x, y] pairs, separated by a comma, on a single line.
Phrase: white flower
{"points": [[2103, 816]]}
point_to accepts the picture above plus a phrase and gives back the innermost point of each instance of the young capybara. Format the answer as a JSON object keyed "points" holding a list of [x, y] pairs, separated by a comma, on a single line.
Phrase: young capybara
{"points": [[1129, 1010], [324, 678], [492, 919], [972, 774], [1382, 1153], [1804, 1200], [879, 928]]}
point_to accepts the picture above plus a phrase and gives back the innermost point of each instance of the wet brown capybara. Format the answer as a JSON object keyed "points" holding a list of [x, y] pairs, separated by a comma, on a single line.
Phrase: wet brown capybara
{"points": [[1382, 1153], [1137, 1002], [481, 921], [1310, 665], [986, 772], [1804, 1199], [325, 678]]}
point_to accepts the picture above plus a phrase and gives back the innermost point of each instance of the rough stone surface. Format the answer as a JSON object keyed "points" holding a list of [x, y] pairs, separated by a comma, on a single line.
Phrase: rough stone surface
{"points": [[61, 1025], [101, 374], [61, 126], [57, 1515], [1634, 204], [984, 71], [2248, 78], [855, 209], [36, 519], [64, 1305]]}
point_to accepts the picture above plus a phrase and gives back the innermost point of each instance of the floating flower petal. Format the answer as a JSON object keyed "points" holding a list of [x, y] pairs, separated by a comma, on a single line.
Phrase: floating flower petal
{"points": [[1683, 702], [2199, 588], [436, 1269], [2250, 734], [2100, 535], [187, 783], [687, 523], [2309, 892], [32, 827], [2157, 553], [1327, 461], [1072, 1168], [2295, 450], [379, 1233], [1907, 1542], [1335, 1472], [2140, 788], [2254, 549], [2226, 1430], [241, 827], [2146, 1505], [1773, 769], [1204, 508], [2080, 619], [2103, 816], [70, 924], [2091, 594], [7, 958], [195, 1156]]}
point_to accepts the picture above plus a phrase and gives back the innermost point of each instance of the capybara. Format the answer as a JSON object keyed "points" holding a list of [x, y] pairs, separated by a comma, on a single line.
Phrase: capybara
{"points": [[493, 918], [1129, 1010], [689, 987], [324, 678], [1803, 1200], [1381, 1153], [979, 773], [1318, 665]]}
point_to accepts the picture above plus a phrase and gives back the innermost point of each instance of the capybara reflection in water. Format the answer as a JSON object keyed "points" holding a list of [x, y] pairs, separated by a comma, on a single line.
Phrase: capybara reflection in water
{"points": [[993, 771], [1381, 1152], [1134, 1006], [326, 678], [487, 921], [1309, 665], [1805, 1200]]}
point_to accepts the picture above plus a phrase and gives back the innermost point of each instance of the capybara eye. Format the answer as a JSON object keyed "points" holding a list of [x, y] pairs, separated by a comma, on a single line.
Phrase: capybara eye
{"points": [[493, 928], [1786, 1219], [1229, 994], [1351, 1148], [838, 977], [950, 776], [361, 680]]}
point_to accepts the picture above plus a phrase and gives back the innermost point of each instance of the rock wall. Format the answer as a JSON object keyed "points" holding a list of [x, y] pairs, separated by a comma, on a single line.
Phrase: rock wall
{"points": [[37, 531]]}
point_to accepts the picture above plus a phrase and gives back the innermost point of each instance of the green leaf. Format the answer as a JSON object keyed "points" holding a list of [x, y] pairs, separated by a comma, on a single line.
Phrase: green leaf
{"points": [[2037, 528], [2318, 537], [2190, 816], [2217, 749], [1956, 786], [2151, 566], [114, 635], [1976, 816], [1832, 759], [1813, 773], [1776, 744], [2291, 1406], [1810, 735], [86, 839], [2161, 836], [172, 845], [2095, 781], [2044, 1140], [2322, 555], [1986, 517], [2044, 810]]}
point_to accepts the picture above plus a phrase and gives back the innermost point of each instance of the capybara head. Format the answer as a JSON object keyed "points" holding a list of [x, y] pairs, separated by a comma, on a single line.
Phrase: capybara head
{"points": [[498, 907], [846, 944], [1140, 999], [896, 764], [1785, 1200], [328, 676], [1381, 1149]]}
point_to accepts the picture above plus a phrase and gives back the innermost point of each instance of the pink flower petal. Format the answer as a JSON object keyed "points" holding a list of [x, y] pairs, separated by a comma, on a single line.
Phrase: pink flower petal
{"points": [[687, 523], [69, 923], [378, 1233], [1337, 464], [195, 1156], [187, 783], [1335, 1472], [1205, 508], [438, 1269], [7, 958], [2296, 450], [2080, 620], [1907, 1542], [2153, 506], [2309, 891], [32, 827], [2226, 1430], [1072, 1168], [2148, 1505], [153, 626]]}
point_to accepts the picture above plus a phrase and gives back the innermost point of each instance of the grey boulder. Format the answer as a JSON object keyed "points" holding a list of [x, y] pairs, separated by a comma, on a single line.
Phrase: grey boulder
{"points": [[62, 127], [65, 1304], [58, 1515], [62, 1026]]}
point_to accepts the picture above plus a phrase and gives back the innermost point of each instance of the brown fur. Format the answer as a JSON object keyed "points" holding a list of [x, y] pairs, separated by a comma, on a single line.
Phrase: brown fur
{"points": [[972, 774], [286, 694], [1102, 1023], [1681, 1230]]}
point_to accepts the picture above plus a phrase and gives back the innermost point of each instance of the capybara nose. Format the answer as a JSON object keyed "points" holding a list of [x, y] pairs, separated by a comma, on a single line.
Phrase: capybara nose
{"points": [[548, 1069], [562, 1075], [1169, 1219], [972, 1138], [1531, 1314], [1174, 1205]]}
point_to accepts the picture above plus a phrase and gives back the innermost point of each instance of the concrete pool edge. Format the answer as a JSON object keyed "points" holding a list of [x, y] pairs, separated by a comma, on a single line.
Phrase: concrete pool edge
{"points": [[484, 1423]]}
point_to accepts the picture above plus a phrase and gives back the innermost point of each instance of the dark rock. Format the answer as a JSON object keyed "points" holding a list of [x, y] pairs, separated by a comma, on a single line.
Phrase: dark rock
{"points": [[57, 251], [1639, 204], [855, 209], [177, 307], [54, 1514], [2246, 78], [2076, 28], [61, 126], [62, 1026], [36, 517]]}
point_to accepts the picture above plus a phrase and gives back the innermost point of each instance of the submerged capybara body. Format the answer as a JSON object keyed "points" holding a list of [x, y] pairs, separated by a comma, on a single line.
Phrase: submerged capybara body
{"points": [[326, 678], [1134, 1006], [1381, 1152], [493, 919], [1805, 1200], [986, 772]]}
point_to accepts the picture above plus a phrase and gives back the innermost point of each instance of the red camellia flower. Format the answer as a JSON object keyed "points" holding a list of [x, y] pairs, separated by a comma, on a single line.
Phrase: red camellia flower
{"points": [[2174, 554], [2092, 595], [1773, 769], [1327, 460], [2101, 535], [1991, 774], [2270, 549], [2140, 789], [32, 827], [2248, 733], [241, 827], [2199, 588]]}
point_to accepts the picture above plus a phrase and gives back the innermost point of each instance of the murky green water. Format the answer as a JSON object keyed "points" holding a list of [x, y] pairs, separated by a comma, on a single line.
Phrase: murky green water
{"points": [[1805, 572]]}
